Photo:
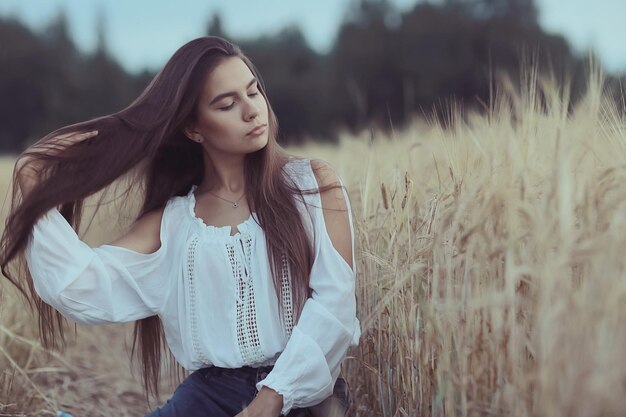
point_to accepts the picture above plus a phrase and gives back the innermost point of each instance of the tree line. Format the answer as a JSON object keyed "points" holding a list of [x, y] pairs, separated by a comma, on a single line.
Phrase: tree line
{"points": [[383, 68]]}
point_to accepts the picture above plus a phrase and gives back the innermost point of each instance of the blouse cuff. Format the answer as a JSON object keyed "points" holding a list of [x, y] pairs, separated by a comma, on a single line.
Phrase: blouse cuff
{"points": [[305, 372], [302, 365]]}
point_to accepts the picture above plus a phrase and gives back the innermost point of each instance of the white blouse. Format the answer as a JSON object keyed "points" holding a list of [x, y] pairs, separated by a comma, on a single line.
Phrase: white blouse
{"points": [[213, 292]]}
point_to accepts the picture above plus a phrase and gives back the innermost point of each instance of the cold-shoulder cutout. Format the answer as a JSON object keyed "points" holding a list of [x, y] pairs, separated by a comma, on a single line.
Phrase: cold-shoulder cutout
{"points": [[335, 209], [145, 236]]}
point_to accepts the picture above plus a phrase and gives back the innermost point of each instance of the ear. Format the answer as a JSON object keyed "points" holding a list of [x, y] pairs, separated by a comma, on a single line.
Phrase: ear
{"points": [[192, 133]]}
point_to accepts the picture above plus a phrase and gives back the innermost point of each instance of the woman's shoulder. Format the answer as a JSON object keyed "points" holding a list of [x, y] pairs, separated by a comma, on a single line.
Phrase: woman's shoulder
{"points": [[176, 201], [177, 207], [152, 221], [147, 234], [296, 163], [144, 235], [300, 171], [312, 173]]}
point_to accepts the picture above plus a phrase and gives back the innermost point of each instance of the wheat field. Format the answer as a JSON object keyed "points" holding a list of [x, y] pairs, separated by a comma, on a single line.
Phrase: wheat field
{"points": [[490, 259]]}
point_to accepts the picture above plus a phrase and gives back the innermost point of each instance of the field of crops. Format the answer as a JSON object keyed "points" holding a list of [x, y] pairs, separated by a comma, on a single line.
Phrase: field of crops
{"points": [[491, 272]]}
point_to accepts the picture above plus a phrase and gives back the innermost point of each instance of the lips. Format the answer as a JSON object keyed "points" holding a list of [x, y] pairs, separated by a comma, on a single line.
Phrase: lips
{"points": [[257, 129]]}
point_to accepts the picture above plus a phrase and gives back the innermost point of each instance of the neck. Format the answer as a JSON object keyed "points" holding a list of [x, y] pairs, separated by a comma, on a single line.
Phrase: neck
{"points": [[223, 174]]}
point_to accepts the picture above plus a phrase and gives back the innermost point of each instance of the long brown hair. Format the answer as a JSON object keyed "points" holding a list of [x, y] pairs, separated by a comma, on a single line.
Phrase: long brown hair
{"points": [[145, 142]]}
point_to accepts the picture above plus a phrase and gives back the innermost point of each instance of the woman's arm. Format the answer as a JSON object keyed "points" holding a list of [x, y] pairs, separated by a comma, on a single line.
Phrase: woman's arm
{"points": [[122, 281], [119, 282], [306, 371], [143, 235]]}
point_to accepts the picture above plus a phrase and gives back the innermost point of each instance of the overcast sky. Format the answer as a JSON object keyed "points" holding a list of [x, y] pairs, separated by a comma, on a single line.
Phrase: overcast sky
{"points": [[145, 33]]}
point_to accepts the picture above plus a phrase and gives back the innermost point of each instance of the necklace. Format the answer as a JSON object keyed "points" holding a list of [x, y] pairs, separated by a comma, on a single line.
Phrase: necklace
{"points": [[234, 203]]}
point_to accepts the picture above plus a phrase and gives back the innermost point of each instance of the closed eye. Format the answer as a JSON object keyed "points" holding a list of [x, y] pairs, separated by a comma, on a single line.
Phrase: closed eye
{"points": [[231, 105]]}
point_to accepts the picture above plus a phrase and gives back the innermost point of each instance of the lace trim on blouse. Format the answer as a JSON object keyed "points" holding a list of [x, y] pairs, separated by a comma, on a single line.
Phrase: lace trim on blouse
{"points": [[191, 255], [247, 330], [239, 251], [286, 295]]}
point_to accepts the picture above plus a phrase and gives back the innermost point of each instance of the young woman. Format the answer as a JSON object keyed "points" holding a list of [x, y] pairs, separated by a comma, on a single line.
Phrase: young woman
{"points": [[241, 259]]}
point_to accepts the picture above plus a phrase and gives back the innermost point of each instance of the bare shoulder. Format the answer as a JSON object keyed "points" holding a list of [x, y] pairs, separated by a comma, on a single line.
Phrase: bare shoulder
{"points": [[144, 235], [335, 208], [324, 172]]}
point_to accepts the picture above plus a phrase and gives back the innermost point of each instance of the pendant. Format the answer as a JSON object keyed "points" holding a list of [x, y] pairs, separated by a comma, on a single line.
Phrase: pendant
{"points": [[235, 205]]}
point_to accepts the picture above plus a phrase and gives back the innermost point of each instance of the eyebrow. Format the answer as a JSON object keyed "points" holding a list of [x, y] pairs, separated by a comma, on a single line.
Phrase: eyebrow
{"points": [[230, 93]]}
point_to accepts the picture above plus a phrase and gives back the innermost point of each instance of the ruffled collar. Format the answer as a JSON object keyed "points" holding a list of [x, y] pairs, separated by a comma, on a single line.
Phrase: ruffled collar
{"points": [[245, 227]]}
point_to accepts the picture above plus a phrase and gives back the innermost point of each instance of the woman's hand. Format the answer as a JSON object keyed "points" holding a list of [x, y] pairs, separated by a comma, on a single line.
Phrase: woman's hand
{"points": [[29, 167], [267, 403]]}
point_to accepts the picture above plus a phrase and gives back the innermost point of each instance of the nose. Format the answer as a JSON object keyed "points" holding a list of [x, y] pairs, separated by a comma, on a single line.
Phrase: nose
{"points": [[253, 111]]}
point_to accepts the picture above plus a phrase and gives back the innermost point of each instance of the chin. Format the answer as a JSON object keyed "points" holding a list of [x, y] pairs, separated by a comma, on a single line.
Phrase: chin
{"points": [[261, 141], [258, 146]]}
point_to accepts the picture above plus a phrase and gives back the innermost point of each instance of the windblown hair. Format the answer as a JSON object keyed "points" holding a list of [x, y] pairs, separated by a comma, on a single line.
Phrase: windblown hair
{"points": [[145, 143]]}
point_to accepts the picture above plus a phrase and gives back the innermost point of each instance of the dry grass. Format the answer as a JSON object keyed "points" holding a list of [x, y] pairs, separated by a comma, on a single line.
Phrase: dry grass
{"points": [[490, 273]]}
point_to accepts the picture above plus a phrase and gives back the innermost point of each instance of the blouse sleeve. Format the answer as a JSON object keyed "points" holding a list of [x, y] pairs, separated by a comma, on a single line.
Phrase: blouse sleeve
{"points": [[106, 284], [307, 369]]}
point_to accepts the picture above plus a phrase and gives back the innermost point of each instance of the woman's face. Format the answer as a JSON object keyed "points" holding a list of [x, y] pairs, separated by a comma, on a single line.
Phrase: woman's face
{"points": [[229, 107]]}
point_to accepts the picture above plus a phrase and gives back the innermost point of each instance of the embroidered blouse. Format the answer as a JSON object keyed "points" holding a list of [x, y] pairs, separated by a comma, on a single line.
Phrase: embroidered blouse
{"points": [[213, 292]]}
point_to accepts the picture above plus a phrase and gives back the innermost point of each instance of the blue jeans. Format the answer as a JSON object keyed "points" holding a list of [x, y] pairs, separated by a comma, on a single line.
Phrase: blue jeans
{"points": [[224, 392]]}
